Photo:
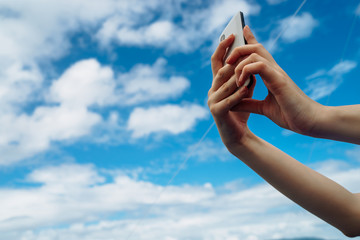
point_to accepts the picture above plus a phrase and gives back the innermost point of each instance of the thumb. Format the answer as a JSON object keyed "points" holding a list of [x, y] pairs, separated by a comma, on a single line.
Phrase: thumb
{"points": [[250, 105]]}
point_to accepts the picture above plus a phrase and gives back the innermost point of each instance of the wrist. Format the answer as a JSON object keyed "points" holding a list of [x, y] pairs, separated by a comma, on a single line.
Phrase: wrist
{"points": [[247, 145], [323, 123], [317, 116]]}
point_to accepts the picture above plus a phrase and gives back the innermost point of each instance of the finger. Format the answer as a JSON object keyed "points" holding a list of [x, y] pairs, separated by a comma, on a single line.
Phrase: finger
{"points": [[252, 47], [246, 50], [241, 68], [249, 36], [255, 68], [224, 91], [249, 105], [251, 87], [241, 52], [228, 103], [218, 56], [222, 76]]}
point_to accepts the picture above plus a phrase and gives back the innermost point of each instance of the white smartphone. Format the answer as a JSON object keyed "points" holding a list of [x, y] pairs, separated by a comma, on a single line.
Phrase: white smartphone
{"points": [[236, 26]]}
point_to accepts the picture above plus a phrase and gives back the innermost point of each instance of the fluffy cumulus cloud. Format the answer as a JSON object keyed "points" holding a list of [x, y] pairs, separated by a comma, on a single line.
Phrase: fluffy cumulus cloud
{"points": [[145, 83], [324, 82], [19, 83], [64, 114], [22, 136], [169, 118], [291, 29], [40, 107], [298, 27], [118, 206], [45, 26], [38, 110], [86, 83], [68, 113], [177, 29]]}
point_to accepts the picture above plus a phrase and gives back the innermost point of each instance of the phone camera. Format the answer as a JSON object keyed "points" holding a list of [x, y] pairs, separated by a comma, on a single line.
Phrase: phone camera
{"points": [[222, 37]]}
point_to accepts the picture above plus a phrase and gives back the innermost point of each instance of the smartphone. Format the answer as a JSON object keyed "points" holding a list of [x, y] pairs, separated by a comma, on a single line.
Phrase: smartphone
{"points": [[236, 26]]}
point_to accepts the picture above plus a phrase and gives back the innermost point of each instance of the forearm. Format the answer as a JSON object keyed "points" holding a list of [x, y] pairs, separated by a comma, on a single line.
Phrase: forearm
{"points": [[338, 123], [311, 190]]}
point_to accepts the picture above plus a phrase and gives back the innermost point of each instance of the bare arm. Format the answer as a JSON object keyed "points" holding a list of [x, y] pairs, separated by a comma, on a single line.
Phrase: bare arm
{"points": [[311, 190], [286, 104], [308, 188], [339, 123]]}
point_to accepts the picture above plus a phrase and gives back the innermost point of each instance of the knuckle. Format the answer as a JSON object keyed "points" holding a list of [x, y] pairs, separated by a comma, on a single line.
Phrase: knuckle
{"points": [[213, 110], [238, 70], [209, 103], [236, 50], [259, 46], [210, 93], [253, 56], [210, 100], [221, 73], [225, 87], [262, 66], [246, 69], [227, 103]]}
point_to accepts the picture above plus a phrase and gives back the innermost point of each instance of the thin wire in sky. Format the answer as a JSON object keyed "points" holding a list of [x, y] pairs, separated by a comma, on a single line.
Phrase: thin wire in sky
{"points": [[337, 77], [286, 26], [182, 165]]}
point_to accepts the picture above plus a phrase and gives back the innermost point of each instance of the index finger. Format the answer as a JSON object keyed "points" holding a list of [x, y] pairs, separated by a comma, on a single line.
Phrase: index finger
{"points": [[218, 57], [249, 36]]}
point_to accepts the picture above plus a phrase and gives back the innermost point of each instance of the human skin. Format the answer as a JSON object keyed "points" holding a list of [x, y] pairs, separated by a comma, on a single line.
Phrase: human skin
{"points": [[290, 108]]}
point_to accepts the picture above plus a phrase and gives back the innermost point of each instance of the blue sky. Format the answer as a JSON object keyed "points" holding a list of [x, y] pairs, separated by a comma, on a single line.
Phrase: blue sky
{"points": [[101, 102]]}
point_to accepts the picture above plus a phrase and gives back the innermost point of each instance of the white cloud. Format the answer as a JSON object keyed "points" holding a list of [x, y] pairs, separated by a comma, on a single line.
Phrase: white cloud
{"points": [[298, 27], [208, 151], [181, 212], [145, 83], [64, 187], [354, 153], [274, 2], [184, 35], [156, 34], [323, 82], [169, 118], [342, 68], [18, 84], [320, 88], [37, 33], [84, 84], [22, 136], [46, 24], [291, 29]]}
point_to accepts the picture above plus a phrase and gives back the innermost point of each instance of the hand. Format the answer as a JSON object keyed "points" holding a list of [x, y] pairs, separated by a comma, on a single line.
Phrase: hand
{"points": [[285, 104], [224, 95]]}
